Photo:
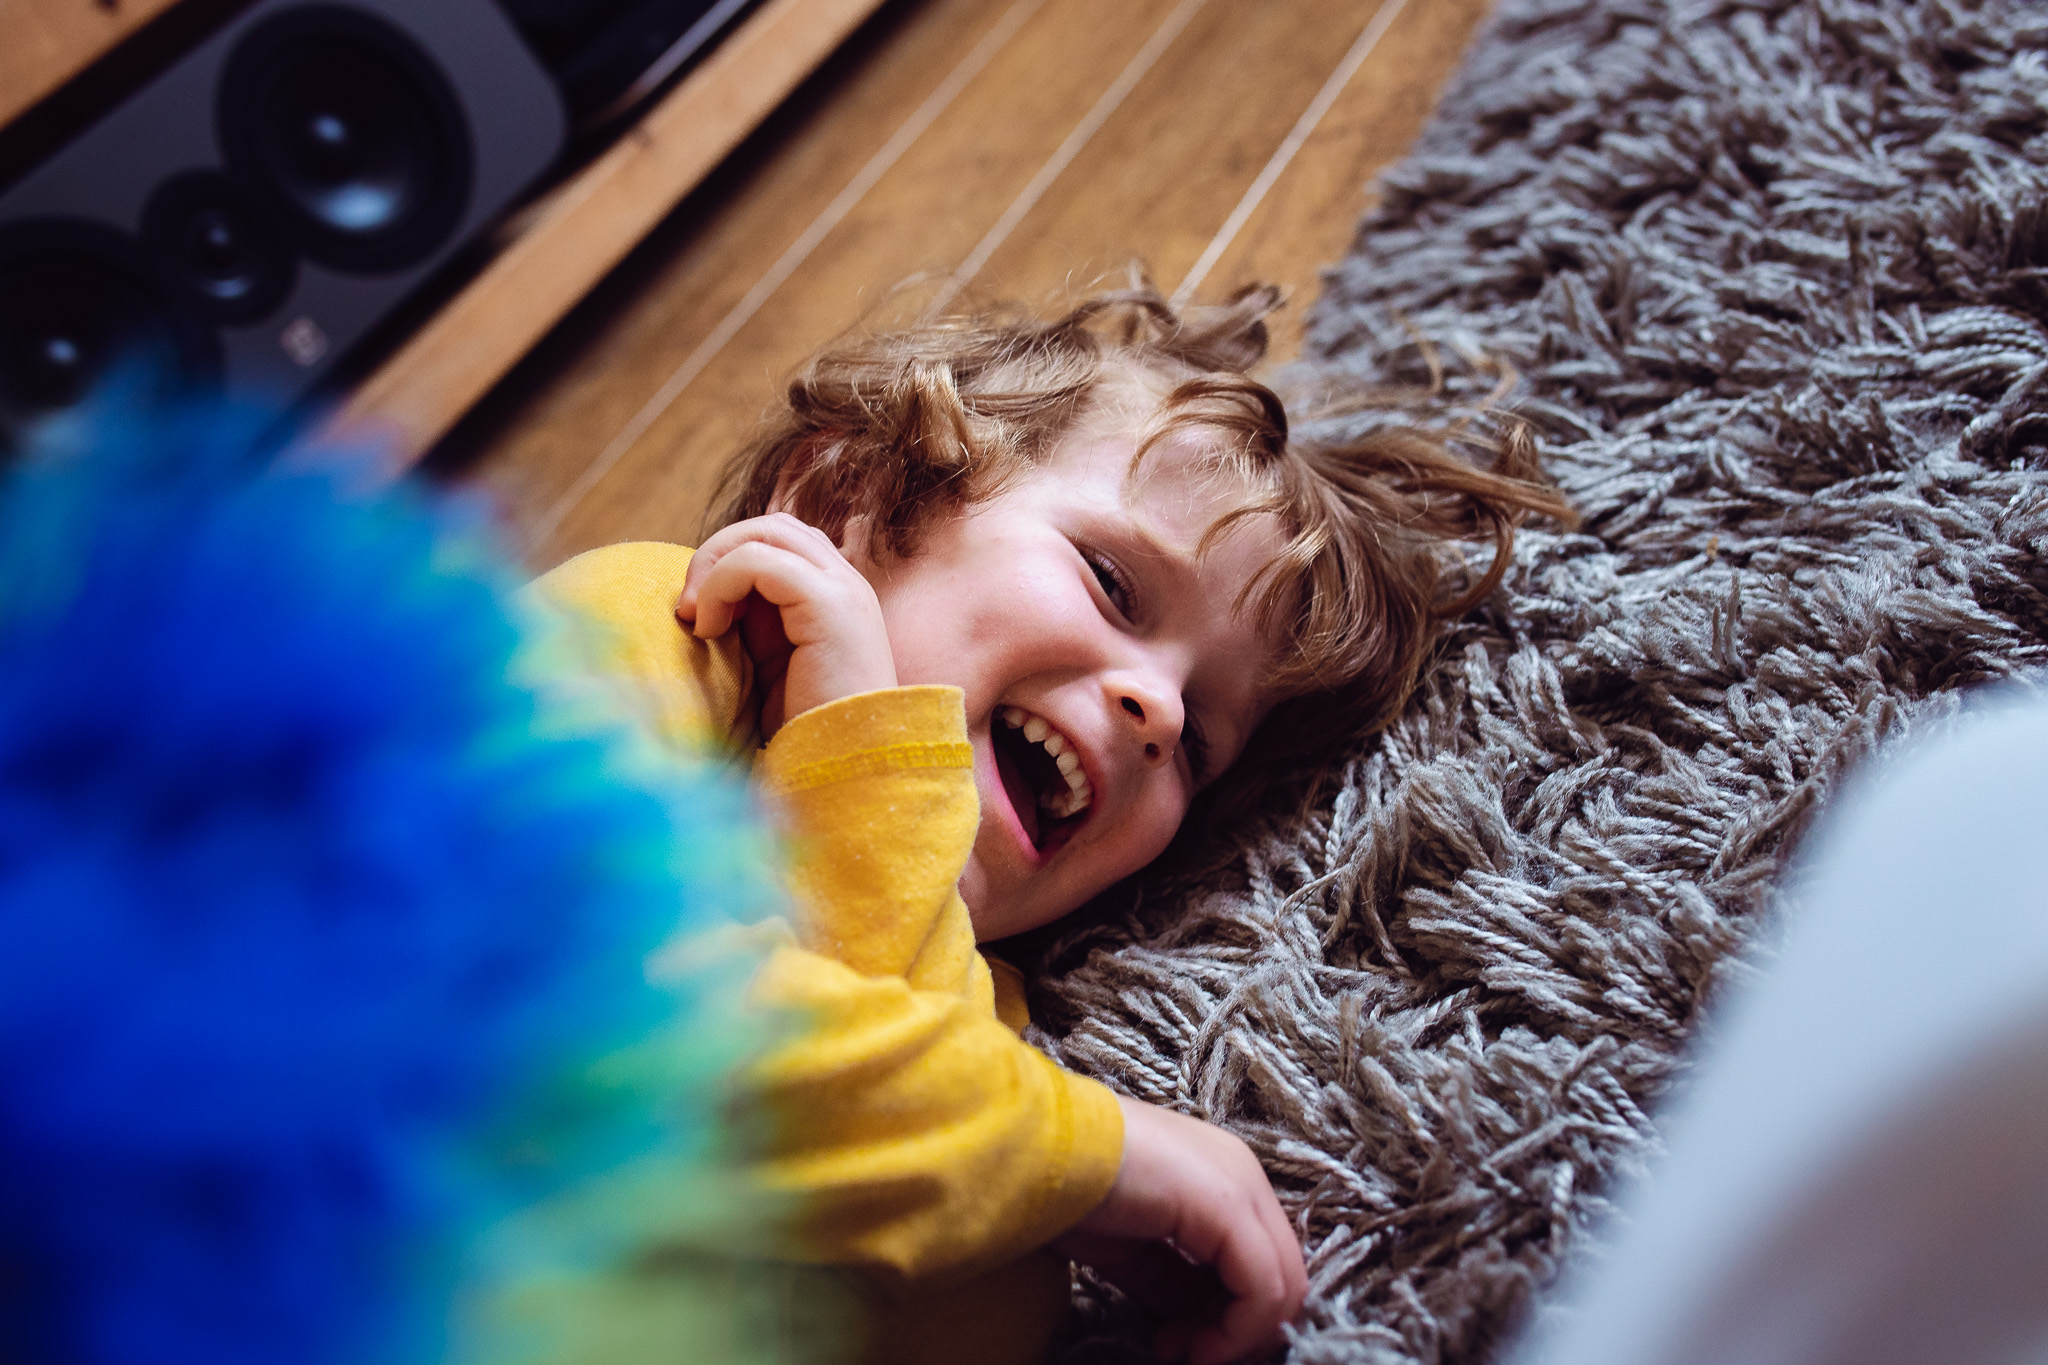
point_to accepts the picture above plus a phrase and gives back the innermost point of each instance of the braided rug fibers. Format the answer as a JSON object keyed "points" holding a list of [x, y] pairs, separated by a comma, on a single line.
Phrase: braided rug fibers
{"points": [[1774, 276]]}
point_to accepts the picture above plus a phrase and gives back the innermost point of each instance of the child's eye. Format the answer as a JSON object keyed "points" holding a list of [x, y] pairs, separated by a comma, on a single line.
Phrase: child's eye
{"points": [[1111, 579]]}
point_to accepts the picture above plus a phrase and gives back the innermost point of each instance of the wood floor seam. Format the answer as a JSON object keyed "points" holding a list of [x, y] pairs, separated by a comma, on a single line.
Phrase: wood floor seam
{"points": [[1245, 146], [1063, 155], [912, 128], [1276, 165]]}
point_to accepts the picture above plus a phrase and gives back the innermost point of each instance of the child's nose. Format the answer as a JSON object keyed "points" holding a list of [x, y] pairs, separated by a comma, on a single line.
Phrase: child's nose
{"points": [[1155, 716]]}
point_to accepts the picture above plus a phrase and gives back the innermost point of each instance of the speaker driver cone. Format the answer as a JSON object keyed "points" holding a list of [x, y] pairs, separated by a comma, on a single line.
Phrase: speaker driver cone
{"points": [[211, 241], [86, 332], [352, 133]]}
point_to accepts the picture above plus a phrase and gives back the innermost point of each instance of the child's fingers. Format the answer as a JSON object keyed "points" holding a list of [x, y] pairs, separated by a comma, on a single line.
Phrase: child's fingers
{"points": [[1254, 1269], [1205, 1190], [1249, 1324], [828, 638], [778, 529], [1239, 1229], [1287, 1247], [779, 575]]}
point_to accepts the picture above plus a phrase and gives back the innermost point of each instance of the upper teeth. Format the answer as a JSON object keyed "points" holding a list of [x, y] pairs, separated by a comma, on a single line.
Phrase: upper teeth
{"points": [[1078, 794]]}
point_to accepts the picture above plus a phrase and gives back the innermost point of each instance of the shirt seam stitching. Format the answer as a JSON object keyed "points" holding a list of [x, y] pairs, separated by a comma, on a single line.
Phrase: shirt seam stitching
{"points": [[894, 758]]}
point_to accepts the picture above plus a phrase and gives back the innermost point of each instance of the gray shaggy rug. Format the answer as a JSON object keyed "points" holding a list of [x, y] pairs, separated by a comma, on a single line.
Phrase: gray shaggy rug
{"points": [[1774, 275]]}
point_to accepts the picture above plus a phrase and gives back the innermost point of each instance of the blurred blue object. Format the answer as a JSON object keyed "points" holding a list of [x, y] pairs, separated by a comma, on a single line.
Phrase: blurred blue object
{"points": [[325, 905]]}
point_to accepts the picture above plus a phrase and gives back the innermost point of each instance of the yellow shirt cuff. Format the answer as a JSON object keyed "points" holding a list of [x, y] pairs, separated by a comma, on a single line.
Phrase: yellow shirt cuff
{"points": [[895, 729], [1095, 1150]]}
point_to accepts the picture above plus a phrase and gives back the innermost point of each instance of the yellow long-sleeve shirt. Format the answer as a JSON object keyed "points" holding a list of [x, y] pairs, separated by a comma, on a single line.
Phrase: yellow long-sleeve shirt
{"points": [[919, 1140]]}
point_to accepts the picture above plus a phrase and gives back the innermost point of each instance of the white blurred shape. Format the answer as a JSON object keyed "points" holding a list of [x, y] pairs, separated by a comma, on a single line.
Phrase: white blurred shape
{"points": [[1859, 1175]]}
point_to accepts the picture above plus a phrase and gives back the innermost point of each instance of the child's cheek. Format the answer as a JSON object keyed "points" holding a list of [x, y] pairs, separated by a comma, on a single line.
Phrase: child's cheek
{"points": [[1042, 609], [1154, 820]]}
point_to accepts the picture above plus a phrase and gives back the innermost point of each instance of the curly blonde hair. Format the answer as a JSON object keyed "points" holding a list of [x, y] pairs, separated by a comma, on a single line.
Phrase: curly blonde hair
{"points": [[900, 429]]}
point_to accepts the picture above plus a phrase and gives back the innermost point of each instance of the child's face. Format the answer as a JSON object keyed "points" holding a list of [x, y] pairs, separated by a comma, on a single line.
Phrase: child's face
{"points": [[1074, 612]]}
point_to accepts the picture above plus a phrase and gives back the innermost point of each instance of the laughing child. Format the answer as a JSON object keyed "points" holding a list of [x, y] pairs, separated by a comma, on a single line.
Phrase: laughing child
{"points": [[999, 600]]}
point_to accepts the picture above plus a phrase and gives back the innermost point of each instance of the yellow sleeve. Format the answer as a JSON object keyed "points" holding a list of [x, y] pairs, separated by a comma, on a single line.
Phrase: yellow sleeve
{"points": [[908, 1127], [916, 1130], [912, 1132], [879, 809], [621, 599]]}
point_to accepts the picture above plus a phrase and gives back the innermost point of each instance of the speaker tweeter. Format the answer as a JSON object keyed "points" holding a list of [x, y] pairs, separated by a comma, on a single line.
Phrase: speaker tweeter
{"points": [[211, 240]]}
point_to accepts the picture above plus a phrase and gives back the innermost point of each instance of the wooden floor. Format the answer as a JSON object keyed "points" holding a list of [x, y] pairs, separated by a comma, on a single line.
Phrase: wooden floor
{"points": [[1021, 149]]}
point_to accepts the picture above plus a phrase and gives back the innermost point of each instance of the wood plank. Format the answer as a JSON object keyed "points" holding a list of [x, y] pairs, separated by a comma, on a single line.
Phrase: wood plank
{"points": [[924, 216], [920, 217], [1160, 175], [590, 223], [44, 43], [1309, 217], [537, 441]]}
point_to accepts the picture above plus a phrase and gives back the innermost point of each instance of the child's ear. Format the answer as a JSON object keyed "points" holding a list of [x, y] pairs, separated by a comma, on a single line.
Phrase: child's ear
{"points": [[778, 501], [855, 541], [854, 536], [799, 463]]}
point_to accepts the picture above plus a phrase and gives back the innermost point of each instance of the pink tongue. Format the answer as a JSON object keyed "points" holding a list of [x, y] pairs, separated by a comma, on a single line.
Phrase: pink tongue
{"points": [[1022, 797]]}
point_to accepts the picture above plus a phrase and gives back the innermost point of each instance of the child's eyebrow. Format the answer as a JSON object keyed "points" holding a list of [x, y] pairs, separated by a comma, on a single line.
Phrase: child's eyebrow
{"points": [[1147, 542]]}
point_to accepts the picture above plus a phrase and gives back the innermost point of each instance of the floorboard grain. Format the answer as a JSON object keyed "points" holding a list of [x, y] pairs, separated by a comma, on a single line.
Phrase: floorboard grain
{"points": [[1307, 220], [1044, 144], [44, 43]]}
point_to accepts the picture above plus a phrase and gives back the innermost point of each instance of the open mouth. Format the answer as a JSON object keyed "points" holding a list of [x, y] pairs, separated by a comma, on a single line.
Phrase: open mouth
{"points": [[1042, 776]]}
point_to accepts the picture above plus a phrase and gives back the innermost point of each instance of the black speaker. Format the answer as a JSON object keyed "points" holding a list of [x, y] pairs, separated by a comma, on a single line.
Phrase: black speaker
{"points": [[610, 55], [237, 223]]}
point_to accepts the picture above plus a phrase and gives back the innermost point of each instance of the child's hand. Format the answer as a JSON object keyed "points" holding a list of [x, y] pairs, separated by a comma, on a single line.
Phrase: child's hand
{"points": [[808, 619], [1194, 1184]]}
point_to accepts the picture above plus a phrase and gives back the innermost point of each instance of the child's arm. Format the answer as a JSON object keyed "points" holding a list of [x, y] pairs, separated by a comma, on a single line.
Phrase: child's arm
{"points": [[914, 1134], [880, 902], [912, 1131]]}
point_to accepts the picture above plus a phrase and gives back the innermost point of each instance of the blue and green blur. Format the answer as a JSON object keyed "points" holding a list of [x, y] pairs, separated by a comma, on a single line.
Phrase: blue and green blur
{"points": [[362, 996]]}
